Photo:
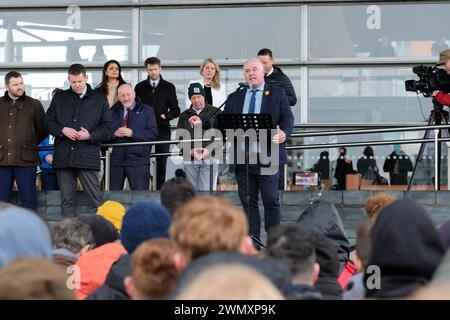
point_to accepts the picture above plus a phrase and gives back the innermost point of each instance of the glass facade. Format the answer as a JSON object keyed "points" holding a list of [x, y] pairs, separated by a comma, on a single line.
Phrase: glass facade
{"points": [[348, 62]]}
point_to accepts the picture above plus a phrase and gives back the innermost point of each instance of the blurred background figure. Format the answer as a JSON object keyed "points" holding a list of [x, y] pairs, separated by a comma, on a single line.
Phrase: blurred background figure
{"points": [[384, 47], [367, 165], [398, 164], [439, 45], [322, 167], [344, 166], [99, 54]]}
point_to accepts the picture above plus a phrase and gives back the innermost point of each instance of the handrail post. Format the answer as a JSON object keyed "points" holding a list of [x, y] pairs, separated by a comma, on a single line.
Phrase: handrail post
{"points": [[436, 160], [107, 168]]}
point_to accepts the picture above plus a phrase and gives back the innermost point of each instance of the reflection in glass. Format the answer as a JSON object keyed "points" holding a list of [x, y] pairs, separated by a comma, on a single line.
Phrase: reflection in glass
{"points": [[374, 30], [364, 95], [60, 36], [219, 33]]}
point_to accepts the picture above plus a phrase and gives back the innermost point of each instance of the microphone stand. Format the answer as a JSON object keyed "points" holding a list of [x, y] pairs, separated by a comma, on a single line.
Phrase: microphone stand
{"points": [[205, 126]]}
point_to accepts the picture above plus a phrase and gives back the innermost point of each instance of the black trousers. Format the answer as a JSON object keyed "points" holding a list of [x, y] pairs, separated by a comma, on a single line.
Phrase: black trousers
{"points": [[267, 185], [67, 180], [161, 162], [138, 177], [49, 180]]}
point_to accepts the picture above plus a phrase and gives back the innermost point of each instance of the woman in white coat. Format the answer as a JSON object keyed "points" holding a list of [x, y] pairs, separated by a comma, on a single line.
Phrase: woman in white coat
{"points": [[215, 93]]}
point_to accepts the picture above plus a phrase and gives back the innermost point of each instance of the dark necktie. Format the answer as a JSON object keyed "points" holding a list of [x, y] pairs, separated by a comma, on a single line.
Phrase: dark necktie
{"points": [[251, 107], [153, 86], [125, 120]]}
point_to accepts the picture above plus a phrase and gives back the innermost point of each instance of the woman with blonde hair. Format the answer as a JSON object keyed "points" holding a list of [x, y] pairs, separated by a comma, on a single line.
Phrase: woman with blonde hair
{"points": [[215, 94]]}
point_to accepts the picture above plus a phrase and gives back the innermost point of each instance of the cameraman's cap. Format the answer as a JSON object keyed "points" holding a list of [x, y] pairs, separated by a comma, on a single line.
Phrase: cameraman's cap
{"points": [[195, 88], [444, 56]]}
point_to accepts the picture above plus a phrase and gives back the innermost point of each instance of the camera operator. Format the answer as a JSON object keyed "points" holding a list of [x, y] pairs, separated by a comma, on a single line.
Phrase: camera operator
{"points": [[444, 63]]}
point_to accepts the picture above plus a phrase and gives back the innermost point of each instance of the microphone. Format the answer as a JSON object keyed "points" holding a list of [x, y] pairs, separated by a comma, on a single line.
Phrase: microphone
{"points": [[243, 85]]}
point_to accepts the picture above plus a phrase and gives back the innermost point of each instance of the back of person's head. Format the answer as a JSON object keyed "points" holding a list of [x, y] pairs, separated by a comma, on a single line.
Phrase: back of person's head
{"points": [[324, 155], [208, 224], [376, 203], [176, 192], [77, 69], [368, 152], [444, 232], [153, 270], [296, 248], [363, 245], [34, 279], [102, 230], [327, 258], [143, 221], [73, 235], [22, 234], [230, 282], [112, 211], [406, 247]]}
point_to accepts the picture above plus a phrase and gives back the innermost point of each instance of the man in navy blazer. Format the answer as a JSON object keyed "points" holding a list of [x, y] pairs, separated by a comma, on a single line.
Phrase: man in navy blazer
{"points": [[133, 121], [261, 98]]}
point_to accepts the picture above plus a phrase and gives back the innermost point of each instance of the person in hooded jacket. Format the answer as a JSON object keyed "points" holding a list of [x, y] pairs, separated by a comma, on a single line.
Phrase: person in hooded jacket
{"points": [[407, 249], [322, 217], [327, 283]]}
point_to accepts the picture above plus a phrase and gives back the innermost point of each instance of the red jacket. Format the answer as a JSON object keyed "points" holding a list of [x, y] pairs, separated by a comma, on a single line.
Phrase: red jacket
{"points": [[94, 267], [443, 98]]}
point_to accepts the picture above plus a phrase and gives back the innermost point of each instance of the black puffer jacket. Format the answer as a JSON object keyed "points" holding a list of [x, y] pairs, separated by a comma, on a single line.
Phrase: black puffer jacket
{"points": [[92, 113], [278, 78], [322, 217]]}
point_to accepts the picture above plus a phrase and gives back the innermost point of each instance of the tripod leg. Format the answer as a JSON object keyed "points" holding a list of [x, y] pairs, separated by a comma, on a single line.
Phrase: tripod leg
{"points": [[420, 155]]}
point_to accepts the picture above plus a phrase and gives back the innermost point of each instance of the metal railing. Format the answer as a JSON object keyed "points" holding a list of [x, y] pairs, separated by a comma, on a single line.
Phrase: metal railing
{"points": [[436, 140]]}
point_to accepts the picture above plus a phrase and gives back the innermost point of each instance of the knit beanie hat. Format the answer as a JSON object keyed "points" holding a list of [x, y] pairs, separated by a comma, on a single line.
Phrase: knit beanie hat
{"points": [[112, 211], [144, 221], [195, 88]]}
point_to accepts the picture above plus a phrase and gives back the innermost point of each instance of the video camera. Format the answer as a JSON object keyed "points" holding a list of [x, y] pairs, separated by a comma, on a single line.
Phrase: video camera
{"points": [[430, 79]]}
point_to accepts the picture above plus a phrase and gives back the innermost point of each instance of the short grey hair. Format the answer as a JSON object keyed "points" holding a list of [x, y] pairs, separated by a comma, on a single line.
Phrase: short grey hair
{"points": [[72, 234], [254, 60]]}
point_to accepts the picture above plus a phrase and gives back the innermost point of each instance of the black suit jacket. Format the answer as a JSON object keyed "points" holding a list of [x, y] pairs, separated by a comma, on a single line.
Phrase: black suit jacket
{"points": [[163, 101], [274, 102]]}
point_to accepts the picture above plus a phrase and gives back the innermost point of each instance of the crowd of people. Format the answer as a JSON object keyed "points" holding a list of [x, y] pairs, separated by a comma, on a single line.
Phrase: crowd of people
{"points": [[189, 247]]}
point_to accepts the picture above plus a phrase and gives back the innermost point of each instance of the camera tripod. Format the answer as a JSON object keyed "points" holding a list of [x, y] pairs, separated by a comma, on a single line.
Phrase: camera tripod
{"points": [[437, 117]]}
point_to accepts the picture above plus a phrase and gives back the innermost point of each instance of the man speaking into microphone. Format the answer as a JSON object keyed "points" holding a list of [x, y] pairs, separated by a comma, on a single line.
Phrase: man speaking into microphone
{"points": [[261, 98]]}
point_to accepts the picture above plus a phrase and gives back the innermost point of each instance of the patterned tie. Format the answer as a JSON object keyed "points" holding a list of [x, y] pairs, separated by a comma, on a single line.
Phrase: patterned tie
{"points": [[251, 107], [125, 120]]}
